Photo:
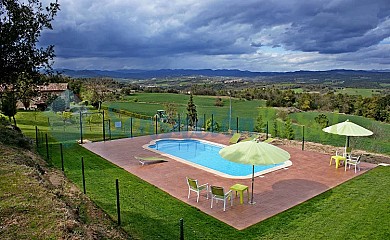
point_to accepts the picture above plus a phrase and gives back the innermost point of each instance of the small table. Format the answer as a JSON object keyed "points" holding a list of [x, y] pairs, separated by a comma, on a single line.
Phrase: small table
{"points": [[337, 160], [239, 188]]}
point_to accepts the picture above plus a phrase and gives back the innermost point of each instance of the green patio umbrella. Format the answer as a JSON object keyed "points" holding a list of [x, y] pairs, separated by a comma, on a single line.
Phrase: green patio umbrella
{"points": [[254, 153], [348, 129]]}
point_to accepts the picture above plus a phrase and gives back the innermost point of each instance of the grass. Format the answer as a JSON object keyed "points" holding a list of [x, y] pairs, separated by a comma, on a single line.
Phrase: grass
{"points": [[24, 201], [357, 209], [37, 202], [379, 142], [149, 103], [364, 92]]}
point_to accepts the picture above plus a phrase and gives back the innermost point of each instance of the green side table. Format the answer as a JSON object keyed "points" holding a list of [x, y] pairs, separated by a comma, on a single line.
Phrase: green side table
{"points": [[239, 188]]}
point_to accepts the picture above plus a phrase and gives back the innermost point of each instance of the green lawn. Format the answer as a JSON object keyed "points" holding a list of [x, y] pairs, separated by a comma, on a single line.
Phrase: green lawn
{"points": [[379, 142], [357, 209]]}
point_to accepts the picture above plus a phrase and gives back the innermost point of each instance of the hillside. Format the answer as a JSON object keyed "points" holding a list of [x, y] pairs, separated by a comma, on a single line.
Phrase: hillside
{"points": [[299, 76], [38, 202]]}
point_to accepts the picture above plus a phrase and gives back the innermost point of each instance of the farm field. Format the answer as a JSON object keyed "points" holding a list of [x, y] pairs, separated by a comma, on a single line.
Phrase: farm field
{"points": [[149, 103], [359, 91]]}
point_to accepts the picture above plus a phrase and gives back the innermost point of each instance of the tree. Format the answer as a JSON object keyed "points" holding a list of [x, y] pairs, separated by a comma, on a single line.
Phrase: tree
{"points": [[211, 125], [259, 123], [305, 102], [218, 102], [98, 90], [322, 120], [8, 105], [288, 130], [191, 111], [21, 60], [275, 128], [170, 111], [58, 105], [66, 117]]}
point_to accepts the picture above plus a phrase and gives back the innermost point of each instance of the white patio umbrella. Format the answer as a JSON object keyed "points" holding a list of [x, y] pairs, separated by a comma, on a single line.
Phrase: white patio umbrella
{"points": [[254, 153], [348, 129]]}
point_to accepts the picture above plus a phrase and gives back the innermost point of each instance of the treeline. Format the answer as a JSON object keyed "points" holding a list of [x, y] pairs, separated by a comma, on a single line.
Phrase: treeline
{"points": [[376, 107]]}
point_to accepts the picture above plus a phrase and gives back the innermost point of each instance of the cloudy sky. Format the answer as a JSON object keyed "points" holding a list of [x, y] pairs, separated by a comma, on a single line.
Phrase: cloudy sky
{"points": [[255, 35]]}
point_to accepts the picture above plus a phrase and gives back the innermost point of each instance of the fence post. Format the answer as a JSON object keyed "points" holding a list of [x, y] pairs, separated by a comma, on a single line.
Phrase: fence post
{"points": [[267, 131], [204, 121], [237, 124], [36, 136], [187, 122], [181, 229], [47, 149], [62, 158], [212, 122], [303, 138], [118, 207], [109, 128], [81, 128], [82, 171], [104, 128], [179, 121], [156, 125], [131, 127]]}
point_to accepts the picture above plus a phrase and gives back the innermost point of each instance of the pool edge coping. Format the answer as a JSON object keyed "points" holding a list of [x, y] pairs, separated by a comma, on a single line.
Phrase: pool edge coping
{"points": [[284, 166]]}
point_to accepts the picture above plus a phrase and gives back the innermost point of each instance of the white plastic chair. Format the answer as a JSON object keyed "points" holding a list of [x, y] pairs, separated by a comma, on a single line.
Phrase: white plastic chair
{"points": [[352, 161]]}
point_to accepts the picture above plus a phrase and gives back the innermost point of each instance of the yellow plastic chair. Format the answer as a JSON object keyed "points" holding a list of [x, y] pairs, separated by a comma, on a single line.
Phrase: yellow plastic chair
{"points": [[235, 138], [193, 186], [218, 193], [341, 158]]}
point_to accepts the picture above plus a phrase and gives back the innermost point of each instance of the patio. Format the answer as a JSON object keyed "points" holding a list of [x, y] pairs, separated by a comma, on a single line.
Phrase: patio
{"points": [[277, 191]]}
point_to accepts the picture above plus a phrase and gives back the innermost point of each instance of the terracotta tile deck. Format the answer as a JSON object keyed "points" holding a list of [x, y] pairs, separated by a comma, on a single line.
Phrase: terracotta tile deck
{"points": [[277, 191]]}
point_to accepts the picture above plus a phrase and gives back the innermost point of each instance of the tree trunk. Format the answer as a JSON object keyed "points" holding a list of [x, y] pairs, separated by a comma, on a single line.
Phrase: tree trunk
{"points": [[14, 120]]}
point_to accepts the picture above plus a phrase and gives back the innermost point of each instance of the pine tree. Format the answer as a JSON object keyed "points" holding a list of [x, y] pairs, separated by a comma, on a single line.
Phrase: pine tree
{"points": [[275, 128], [191, 111], [288, 130], [259, 123]]}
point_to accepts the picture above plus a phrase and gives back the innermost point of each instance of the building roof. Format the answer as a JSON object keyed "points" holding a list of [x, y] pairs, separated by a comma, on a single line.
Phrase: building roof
{"points": [[53, 87]]}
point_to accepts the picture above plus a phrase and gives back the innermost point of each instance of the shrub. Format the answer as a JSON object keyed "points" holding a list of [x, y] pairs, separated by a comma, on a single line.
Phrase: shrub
{"points": [[11, 135]]}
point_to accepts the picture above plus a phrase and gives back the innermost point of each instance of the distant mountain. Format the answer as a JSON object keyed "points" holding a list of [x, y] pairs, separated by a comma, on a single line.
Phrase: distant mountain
{"points": [[163, 73]]}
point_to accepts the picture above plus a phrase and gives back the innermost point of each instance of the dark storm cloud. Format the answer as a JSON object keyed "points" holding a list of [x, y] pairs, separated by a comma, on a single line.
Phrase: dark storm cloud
{"points": [[345, 26], [154, 29]]}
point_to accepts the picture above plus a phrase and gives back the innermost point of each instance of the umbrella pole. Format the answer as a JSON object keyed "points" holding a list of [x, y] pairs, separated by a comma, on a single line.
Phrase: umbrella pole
{"points": [[347, 143], [253, 180]]}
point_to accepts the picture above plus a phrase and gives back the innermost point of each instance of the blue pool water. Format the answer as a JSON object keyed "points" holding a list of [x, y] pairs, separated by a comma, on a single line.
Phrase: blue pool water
{"points": [[205, 155]]}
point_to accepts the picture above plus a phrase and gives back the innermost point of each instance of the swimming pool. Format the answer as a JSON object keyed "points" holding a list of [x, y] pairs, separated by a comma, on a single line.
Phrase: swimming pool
{"points": [[205, 155]]}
